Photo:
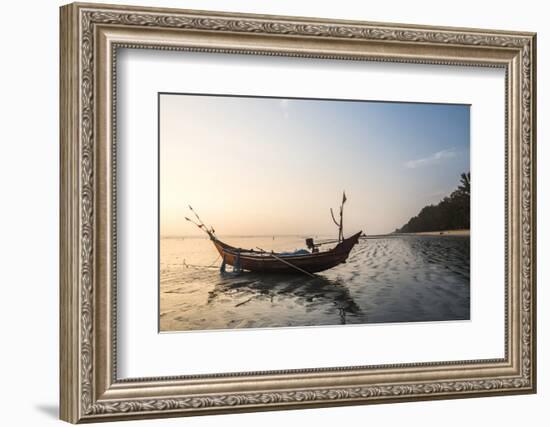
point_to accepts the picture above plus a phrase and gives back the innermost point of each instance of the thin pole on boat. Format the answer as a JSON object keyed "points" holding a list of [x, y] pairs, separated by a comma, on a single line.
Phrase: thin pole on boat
{"points": [[196, 215], [327, 242], [340, 224], [211, 232], [200, 226], [342, 216], [288, 263]]}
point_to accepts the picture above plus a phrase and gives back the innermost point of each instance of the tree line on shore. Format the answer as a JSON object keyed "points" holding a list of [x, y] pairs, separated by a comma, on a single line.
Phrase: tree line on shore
{"points": [[451, 213]]}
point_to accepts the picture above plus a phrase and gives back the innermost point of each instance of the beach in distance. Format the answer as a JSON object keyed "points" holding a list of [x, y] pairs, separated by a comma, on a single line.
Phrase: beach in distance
{"points": [[462, 233]]}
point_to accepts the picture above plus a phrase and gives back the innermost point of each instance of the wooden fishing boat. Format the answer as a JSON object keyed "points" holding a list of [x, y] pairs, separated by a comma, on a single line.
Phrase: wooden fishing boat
{"points": [[273, 262], [303, 261]]}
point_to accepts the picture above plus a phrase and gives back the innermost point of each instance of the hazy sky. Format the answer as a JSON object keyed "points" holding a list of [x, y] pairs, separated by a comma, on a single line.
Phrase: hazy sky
{"points": [[265, 166]]}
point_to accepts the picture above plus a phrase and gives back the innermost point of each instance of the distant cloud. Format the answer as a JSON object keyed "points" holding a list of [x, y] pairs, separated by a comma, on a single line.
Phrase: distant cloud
{"points": [[432, 159]]}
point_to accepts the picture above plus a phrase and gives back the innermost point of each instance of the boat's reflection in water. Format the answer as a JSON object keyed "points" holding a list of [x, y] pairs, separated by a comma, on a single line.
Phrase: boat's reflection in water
{"points": [[312, 293]]}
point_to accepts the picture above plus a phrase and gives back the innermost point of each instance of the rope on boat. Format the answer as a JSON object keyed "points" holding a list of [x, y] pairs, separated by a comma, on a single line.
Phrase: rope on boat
{"points": [[289, 264], [211, 265]]}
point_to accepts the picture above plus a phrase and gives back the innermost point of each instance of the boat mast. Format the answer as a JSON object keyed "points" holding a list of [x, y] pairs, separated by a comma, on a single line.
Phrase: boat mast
{"points": [[340, 224], [341, 237]]}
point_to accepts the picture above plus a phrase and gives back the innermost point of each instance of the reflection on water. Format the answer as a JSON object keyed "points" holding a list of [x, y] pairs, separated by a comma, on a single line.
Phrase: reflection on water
{"points": [[306, 291], [404, 279]]}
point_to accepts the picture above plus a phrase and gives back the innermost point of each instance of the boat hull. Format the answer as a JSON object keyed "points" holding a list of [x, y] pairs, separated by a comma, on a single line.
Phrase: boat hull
{"points": [[266, 263]]}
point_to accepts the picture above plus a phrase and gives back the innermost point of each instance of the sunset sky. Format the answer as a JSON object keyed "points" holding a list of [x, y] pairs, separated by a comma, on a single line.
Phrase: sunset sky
{"points": [[272, 166]]}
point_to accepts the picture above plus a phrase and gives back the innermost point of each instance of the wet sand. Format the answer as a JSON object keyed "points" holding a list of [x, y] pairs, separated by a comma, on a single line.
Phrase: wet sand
{"points": [[406, 278]]}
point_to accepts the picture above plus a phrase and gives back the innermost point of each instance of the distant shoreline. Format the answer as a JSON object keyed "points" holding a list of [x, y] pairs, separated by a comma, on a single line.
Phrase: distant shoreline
{"points": [[457, 233], [464, 233], [251, 236]]}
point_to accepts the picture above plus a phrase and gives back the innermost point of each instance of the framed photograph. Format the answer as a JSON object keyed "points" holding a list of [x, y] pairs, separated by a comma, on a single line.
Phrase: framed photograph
{"points": [[266, 212]]}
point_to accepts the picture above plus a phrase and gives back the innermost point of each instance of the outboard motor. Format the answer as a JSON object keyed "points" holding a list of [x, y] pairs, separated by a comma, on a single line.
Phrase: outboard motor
{"points": [[311, 245]]}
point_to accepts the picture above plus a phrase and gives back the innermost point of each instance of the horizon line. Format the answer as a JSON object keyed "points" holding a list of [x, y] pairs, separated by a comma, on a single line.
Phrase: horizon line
{"points": [[302, 235]]}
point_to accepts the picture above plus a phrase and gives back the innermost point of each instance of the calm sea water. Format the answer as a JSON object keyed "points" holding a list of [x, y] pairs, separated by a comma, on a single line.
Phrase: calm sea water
{"points": [[398, 279]]}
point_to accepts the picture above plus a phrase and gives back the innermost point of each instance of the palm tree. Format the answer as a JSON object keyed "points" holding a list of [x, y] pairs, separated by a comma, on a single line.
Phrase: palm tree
{"points": [[464, 186], [451, 213]]}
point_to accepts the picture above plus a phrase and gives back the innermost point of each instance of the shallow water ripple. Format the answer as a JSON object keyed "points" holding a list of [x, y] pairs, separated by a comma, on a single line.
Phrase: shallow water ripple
{"points": [[397, 279]]}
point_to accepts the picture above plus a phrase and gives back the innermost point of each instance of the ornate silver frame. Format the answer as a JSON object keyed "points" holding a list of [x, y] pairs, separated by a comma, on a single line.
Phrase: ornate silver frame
{"points": [[90, 36]]}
